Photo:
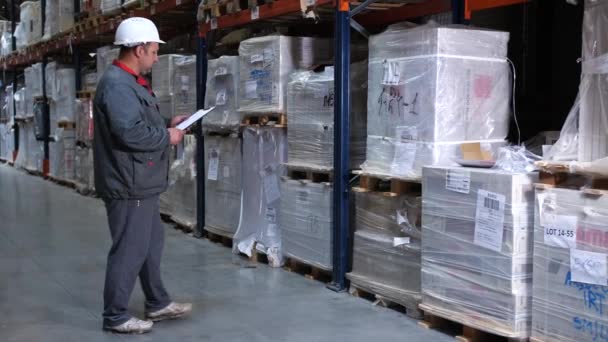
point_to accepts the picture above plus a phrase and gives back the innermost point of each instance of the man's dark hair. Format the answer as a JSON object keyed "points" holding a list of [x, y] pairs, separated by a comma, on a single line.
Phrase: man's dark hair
{"points": [[126, 49]]}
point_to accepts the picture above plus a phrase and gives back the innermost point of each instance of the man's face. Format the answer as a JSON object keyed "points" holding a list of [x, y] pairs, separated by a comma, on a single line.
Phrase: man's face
{"points": [[148, 55]]}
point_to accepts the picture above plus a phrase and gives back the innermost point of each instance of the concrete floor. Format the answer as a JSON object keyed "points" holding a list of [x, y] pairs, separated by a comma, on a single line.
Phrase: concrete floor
{"points": [[53, 244]]}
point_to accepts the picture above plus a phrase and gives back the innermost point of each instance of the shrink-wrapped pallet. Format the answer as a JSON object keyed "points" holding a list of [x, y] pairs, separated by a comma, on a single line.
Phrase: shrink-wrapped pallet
{"points": [[33, 79], [83, 168], [223, 184], [265, 66], [104, 57], [179, 201], [29, 30], [306, 222], [184, 86], [62, 152], [223, 92], [477, 227], [84, 121], [6, 43], [570, 281], [386, 251], [310, 113], [90, 81], [110, 6], [7, 141], [264, 152], [163, 74], [59, 17], [31, 151], [432, 87], [20, 103]]}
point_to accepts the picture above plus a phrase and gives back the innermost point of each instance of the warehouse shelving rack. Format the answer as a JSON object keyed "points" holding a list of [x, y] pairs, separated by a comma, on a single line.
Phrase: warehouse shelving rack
{"points": [[346, 15]]}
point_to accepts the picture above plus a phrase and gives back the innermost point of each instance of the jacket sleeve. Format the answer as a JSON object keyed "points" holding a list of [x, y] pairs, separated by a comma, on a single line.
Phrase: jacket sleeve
{"points": [[126, 123]]}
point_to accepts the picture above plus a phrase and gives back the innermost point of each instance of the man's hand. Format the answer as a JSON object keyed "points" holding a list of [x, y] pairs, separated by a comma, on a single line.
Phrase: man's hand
{"points": [[177, 120], [175, 135]]}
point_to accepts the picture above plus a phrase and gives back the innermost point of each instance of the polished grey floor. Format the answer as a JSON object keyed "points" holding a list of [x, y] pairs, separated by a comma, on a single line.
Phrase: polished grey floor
{"points": [[53, 244]]}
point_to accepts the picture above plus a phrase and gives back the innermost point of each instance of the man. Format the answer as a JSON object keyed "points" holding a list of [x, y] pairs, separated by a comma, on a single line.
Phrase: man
{"points": [[131, 151]]}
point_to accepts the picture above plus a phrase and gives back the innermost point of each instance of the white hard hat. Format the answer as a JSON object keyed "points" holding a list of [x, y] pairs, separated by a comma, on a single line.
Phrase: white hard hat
{"points": [[135, 31]]}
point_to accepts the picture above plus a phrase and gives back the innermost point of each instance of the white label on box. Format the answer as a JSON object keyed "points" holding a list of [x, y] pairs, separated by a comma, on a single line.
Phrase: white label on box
{"points": [[214, 162], [255, 13], [220, 97], [271, 188], [251, 89], [403, 160], [560, 230], [185, 81], [226, 173], [257, 58], [588, 267], [398, 241], [489, 220], [271, 215], [213, 23], [458, 181], [221, 71], [391, 73]]}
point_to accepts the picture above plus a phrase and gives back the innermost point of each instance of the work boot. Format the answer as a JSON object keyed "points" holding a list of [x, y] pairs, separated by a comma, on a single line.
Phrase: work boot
{"points": [[171, 311], [132, 326]]}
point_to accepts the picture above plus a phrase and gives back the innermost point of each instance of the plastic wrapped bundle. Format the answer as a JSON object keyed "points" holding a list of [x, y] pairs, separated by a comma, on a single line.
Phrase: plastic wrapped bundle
{"points": [[265, 66], [65, 99], [33, 79], [223, 187], [20, 103], [184, 85], [163, 73], [30, 150], [584, 135], [477, 248], [386, 252], [59, 17], [62, 153], [264, 152], [7, 142], [30, 23], [84, 121], [110, 6], [223, 92], [179, 201], [90, 81], [310, 113], [50, 79], [570, 249], [83, 168], [6, 44], [306, 222], [105, 56], [436, 85]]}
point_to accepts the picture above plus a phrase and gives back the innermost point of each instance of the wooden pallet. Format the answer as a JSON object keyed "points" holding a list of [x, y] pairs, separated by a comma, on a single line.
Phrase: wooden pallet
{"points": [[85, 94], [275, 120], [223, 240], [558, 175], [33, 172], [386, 185], [471, 331], [60, 181], [361, 291], [308, 271], [315, 175], [66, 125]]}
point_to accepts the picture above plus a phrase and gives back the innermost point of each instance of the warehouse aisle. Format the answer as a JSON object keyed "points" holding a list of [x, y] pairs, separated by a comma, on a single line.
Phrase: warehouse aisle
{"points": [[53, 244]]}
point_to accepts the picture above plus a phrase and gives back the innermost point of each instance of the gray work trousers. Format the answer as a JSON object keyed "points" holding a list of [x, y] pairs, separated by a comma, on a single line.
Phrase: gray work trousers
{"points": [[137, 244]]}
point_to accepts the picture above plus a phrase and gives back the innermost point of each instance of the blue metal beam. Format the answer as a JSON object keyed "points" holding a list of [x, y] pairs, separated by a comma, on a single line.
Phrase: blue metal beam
{"points": [[201, 83], [341, 232]]}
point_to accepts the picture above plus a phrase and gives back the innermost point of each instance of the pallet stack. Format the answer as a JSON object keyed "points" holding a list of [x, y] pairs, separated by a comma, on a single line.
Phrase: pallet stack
{"points": [[83, 158]]}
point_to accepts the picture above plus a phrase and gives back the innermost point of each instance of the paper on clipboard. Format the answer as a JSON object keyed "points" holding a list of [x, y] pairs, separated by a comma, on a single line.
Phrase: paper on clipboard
{"points": [[193, 118]]}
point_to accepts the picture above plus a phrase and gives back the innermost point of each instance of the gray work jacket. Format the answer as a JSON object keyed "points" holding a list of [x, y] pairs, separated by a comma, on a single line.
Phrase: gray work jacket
{"points": [[131, 141]]}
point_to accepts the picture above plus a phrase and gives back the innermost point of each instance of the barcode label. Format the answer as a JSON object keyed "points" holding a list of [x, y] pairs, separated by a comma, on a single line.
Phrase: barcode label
{"points": [[458, 181], [489, 220]]}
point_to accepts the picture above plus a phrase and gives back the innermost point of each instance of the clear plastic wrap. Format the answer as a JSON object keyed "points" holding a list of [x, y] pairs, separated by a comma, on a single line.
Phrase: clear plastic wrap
{"points": [[84, 121], [90, 81], [179, 201], [477, 247], [30, 24], [50, 79], [31, 151], [223, 92], [565, 307], [184, 86], [386, 252], [6, 43], [223, 183], [105, 56], [62, 152], [59, 17], [7, 141], [306, 222], [584, 135], [110, 6], [33, 79], [83, 168], [65, 99], [310, 113], [265, 66], [163, 74], [515, 159], [437, 85], [264, 152], [20, 103]]}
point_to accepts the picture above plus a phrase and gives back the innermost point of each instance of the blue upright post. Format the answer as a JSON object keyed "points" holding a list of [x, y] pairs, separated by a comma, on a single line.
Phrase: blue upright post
{"points": [[341, 234], [201, 83]]}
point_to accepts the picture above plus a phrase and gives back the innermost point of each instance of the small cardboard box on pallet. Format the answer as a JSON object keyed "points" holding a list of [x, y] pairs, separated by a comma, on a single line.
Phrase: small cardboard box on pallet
{"points": [[570, 256], [477, 229]]}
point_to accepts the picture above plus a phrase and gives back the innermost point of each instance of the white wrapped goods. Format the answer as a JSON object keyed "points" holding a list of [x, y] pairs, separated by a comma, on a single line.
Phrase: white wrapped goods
{"points": [[6, 43], [59, 17], [570, 280], [223, 187], [62, 152], [29, 30], [223, 92], [386, 252], [31, 151], [264, 152], [84, 121], [20, 103], [310, 113], [477, 248], [90, 81], [110, 6], [179, 201], [163, 73], [83, 169], [105, 56], [265, 66], [184, 86], [7, 142], [33, 79], [306, 221], [435, 85]]}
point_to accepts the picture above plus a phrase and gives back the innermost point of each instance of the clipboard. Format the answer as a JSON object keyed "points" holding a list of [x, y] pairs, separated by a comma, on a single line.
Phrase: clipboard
{"points": [[192, 119]]}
